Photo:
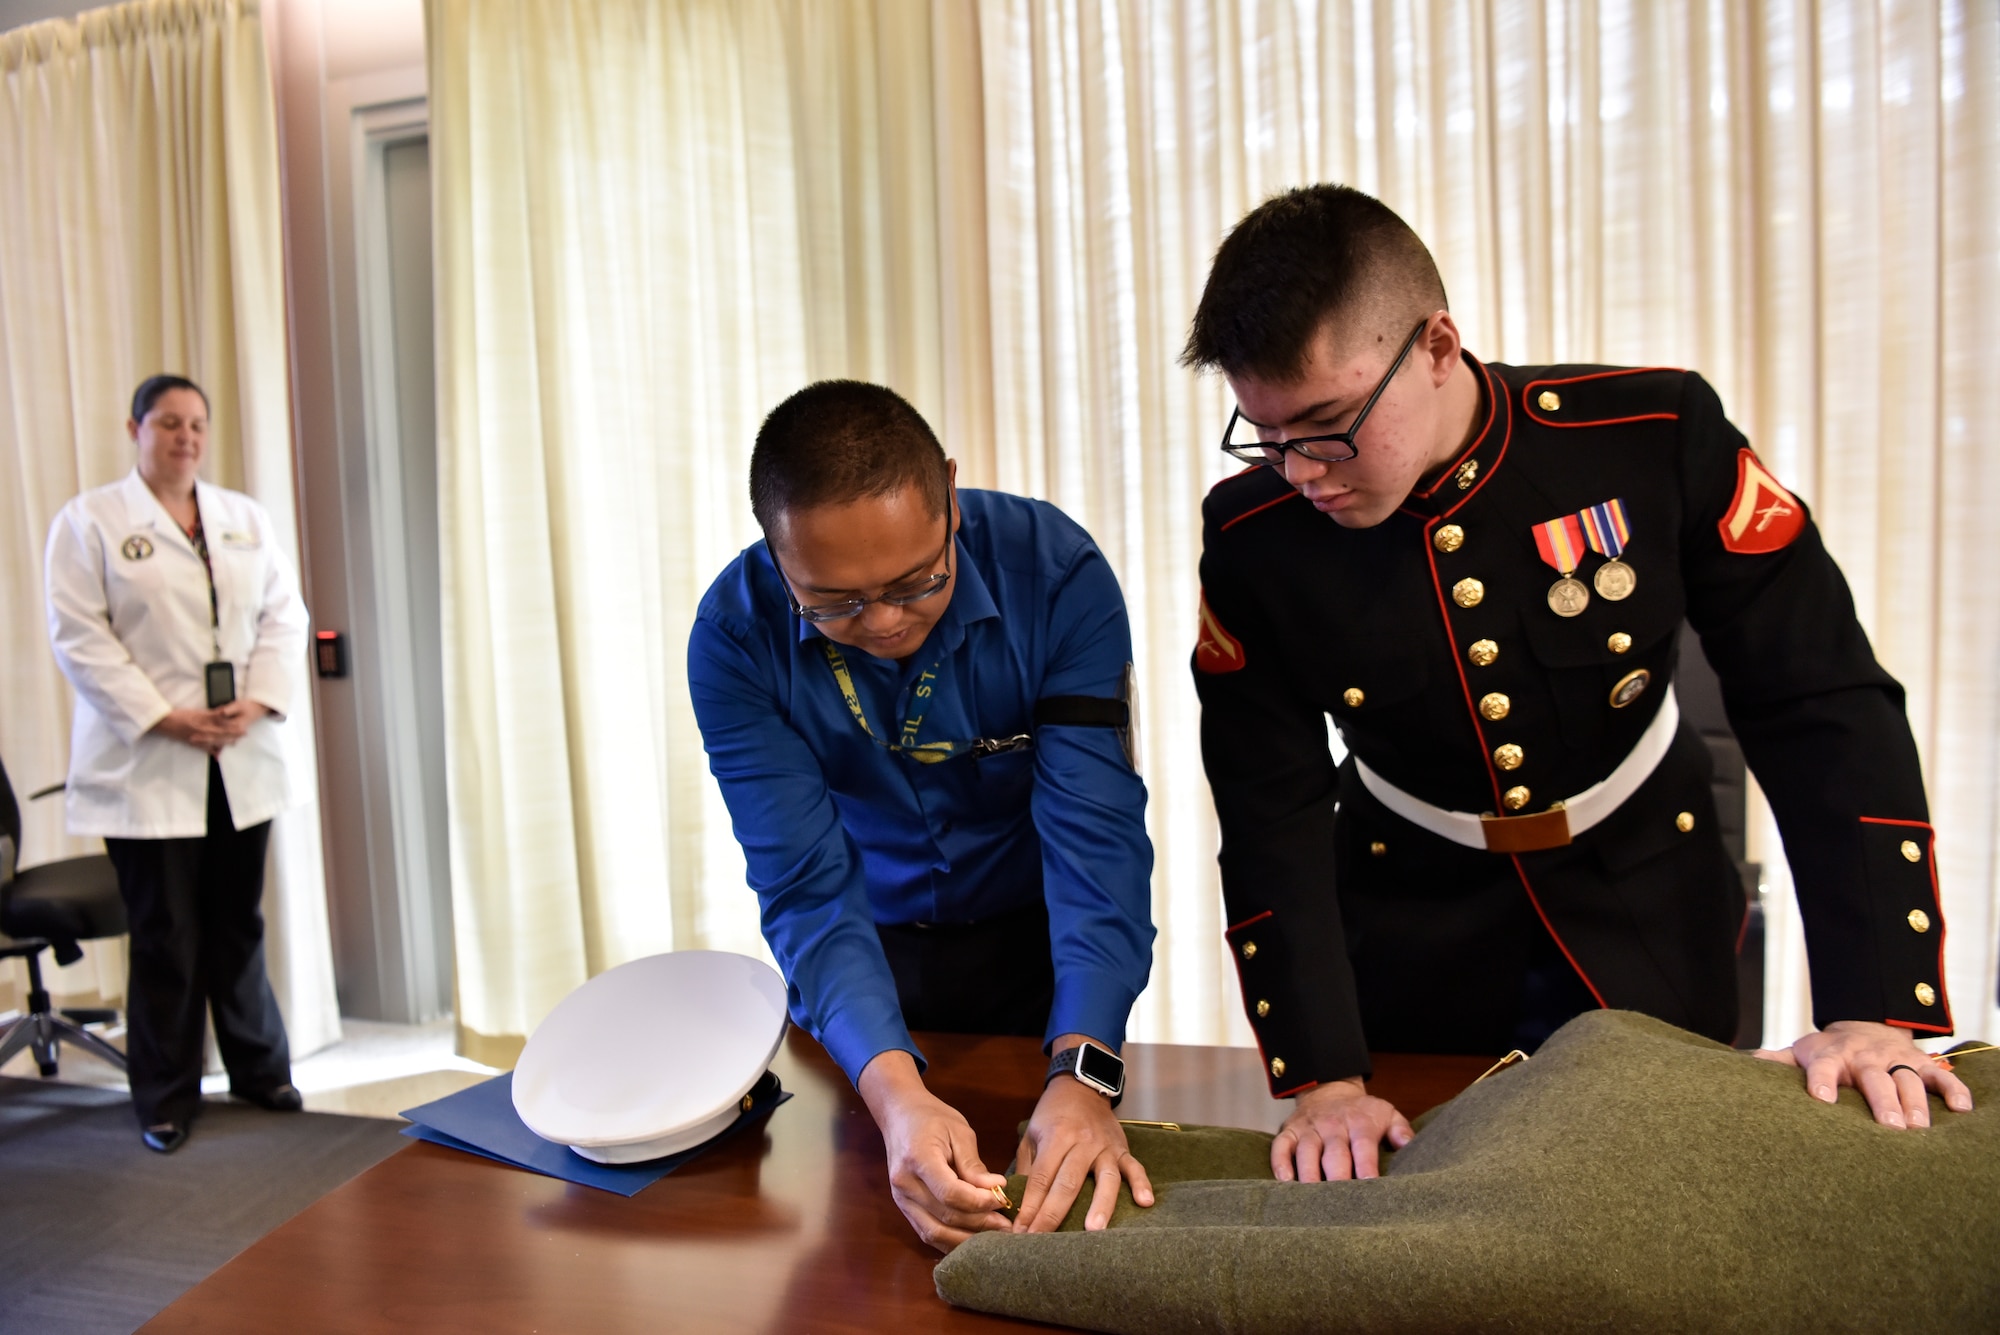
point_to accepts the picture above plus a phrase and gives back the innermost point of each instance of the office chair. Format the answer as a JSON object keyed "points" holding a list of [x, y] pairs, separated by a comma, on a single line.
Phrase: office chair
{"points": [[53, 906]]}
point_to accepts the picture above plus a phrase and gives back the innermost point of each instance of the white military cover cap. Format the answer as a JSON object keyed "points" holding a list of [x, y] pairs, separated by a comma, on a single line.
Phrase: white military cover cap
{"points": [[652, 1057]]}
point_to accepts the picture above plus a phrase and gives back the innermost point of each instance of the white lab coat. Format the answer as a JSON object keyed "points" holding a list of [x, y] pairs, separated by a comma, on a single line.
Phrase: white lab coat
{"points": [[129, 621]]}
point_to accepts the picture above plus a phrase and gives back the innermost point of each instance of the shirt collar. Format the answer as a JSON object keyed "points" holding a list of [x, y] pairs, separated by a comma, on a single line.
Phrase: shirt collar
{"points": [[1465, 475], [971, 601]]}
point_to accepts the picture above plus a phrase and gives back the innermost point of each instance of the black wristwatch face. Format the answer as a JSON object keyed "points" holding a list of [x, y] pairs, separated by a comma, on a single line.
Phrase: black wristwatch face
{"points": [[1096, 1065]]}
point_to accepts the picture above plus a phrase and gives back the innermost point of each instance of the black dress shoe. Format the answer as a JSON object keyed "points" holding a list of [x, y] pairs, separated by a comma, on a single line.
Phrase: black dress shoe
{"points": [[165, 1137], [278, 1098]]}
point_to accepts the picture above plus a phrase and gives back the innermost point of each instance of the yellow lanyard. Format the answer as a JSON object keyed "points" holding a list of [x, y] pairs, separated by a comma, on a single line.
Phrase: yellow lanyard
{"points": [[924, 753]]}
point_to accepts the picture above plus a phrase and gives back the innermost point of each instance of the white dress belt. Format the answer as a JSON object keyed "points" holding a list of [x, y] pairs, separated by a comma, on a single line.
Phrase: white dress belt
{"points": [[1581, 812]]}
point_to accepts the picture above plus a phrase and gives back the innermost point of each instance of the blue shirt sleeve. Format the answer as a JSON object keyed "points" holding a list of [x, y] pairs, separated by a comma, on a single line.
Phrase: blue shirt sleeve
{"points": [[802, 863], [1090, 812]]}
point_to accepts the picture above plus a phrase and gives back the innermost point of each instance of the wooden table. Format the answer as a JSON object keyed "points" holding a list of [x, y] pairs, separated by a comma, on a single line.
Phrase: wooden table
{"points": [[787, 1227]]}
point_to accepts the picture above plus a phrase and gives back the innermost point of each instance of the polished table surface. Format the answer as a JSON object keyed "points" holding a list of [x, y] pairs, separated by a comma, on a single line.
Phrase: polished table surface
{"points": [[784, 1227]]}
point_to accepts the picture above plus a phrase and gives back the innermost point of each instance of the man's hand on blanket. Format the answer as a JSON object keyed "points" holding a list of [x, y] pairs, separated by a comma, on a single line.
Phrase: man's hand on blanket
{"points": [[935, 1173], [1891, 1071], [1335, 1132], [1074, 1136]]}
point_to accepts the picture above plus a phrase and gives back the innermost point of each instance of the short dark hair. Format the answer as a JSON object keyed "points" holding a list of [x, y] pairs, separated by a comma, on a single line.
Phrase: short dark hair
{"points": [[840, 440], [153, 386], [1297, 261]]}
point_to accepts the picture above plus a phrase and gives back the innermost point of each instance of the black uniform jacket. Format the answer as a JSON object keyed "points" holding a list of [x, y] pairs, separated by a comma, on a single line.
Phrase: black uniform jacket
{"points": [[1430, 642]]}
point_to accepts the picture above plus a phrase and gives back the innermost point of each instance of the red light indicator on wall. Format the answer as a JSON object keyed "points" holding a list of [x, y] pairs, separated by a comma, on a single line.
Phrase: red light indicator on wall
{"points": [[330, 652]]}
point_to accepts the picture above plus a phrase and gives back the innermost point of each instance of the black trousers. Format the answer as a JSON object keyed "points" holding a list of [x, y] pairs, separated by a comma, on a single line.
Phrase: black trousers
{"points": [[195, 907], [990, 977]]}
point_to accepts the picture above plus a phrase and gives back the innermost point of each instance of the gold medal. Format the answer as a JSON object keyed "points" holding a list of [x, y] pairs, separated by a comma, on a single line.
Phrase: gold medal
{"points": [[1568, 597], [1615, 580]]}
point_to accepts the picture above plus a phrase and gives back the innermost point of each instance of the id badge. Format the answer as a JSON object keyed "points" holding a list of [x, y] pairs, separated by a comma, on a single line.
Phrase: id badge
{"points": [[221, 681]]}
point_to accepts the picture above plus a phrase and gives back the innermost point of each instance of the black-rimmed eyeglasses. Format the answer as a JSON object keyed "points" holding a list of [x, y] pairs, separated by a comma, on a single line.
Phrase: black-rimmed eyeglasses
{"points": [[1330, 449], [930, 586]]}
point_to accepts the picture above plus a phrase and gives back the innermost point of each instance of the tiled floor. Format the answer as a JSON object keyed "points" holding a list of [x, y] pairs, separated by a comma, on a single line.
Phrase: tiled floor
{"points": [[376, 1070]]}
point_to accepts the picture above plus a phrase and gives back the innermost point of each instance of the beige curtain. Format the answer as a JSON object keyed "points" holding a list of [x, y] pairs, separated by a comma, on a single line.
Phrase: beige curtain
{"points": [[139, 231], [656, 219]]}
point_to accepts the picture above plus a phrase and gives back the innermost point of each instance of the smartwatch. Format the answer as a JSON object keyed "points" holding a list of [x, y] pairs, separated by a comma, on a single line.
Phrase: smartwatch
{"points": [[1099, 1068]]}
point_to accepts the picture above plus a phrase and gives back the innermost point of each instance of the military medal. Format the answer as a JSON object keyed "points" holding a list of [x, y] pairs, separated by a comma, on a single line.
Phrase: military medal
{"points": [[1560, 542], [1604, 527]]}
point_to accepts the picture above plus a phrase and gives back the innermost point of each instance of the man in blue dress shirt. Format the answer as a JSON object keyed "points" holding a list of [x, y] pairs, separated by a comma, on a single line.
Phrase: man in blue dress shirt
{"points": [[926, 856]]}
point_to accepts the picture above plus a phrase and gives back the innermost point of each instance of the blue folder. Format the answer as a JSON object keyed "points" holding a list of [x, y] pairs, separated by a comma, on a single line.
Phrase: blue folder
{"points": [[481, 1120]]}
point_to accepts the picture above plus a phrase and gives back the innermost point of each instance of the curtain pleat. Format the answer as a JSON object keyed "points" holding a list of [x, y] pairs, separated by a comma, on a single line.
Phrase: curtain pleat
{"points": [[140, 232], [656, 220]]}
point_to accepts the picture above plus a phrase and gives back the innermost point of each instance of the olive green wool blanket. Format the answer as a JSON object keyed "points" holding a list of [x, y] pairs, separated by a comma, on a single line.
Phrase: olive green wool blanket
{"points": [[1631, 1177]]}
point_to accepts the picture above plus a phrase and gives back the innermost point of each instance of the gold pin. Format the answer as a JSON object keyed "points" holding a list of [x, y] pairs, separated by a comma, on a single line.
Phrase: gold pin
{"points": [[1157, 1126], [1000, 1195], [1467, 471], [1514, 1058]]}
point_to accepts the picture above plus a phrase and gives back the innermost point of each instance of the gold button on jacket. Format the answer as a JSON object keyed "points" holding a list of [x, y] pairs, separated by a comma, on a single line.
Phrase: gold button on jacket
{"points": [[1263, 1009], [1684, 822], [1515, 798], [1494, 707], [1919, 920], [1353, 696], [1468, 592], [1619, 642], [1449, 538], [1548, 401], [1277, 1066], [1378, 848], [1926, 994], [1249, 950], [1911, 853], [1482, 652], [1508, 756]]}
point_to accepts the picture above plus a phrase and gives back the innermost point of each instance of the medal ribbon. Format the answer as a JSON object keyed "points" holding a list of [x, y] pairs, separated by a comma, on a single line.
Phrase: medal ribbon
{"points": [[1560, 541], [924, 753], [1605, 527]]}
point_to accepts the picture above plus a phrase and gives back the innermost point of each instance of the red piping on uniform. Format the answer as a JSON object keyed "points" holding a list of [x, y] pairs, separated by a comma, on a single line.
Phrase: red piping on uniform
{"points": [[1493, 411], [1260, 509], [1246, 922], [1528, 402], [1937, 902], [1506, 439], [1522, 872], [1296, 1089], [1444, 611], [1743, 928]]}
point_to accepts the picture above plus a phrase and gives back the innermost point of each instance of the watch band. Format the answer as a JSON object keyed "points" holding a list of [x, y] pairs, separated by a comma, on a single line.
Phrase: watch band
{"points": [[1064, 1063]]}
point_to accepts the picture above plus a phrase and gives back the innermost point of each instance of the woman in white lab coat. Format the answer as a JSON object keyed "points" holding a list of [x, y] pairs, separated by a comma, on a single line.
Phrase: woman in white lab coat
{"points": [[177, 618]]}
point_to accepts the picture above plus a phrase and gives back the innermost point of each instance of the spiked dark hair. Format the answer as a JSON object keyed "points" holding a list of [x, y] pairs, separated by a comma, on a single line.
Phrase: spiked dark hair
{"points": [[838, 441], [1298, 261]]}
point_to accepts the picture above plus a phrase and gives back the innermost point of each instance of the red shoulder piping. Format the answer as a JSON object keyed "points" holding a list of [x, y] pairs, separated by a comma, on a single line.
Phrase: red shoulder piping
{"points": [[1528, 402]]}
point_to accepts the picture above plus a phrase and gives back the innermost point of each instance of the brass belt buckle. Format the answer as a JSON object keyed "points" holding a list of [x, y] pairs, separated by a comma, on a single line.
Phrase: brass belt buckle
{"points": [[1525, 834]]}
